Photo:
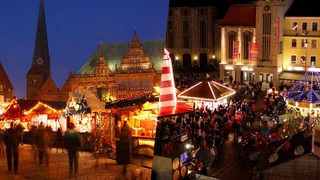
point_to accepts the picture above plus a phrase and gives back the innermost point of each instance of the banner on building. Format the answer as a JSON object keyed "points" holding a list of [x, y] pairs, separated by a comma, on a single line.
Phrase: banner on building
{"points": [[254, 47], [235, 49]]}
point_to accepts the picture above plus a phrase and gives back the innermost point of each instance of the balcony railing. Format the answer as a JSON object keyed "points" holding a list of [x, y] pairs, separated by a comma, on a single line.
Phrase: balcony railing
{"points": [[301, 33]]}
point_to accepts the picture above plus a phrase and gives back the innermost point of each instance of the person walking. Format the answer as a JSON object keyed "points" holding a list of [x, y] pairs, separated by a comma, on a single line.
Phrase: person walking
{"points": [[2, 142], [73, 143], [59, 139], [11, 140], [42, 141], [33, 132], [124, 150]]}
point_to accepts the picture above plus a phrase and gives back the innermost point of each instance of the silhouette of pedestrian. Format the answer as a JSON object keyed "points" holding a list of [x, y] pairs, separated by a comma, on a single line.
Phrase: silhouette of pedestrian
{"points": [[1, 142], [42, 141], [73, 143], [124, 151], [11, 140], [33, 132], [59, 139]]}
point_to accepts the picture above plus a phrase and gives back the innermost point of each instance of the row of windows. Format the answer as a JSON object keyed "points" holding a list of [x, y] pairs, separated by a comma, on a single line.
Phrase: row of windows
{"points": [[135, 84], [187, 12], [304, 26], [303, 60], [304, 43]]}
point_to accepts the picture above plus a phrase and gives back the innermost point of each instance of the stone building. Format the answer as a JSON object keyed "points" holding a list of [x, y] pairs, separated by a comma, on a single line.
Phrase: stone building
{"points": [[114, 70], [6, 88], [252, 42]]}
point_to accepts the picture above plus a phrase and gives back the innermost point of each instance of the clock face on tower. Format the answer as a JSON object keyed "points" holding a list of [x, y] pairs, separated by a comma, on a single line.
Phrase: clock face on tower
{"points": [[40, 61]]}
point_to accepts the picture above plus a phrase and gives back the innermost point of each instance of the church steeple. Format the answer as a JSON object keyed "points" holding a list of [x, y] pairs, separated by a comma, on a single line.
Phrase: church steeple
{"points": [[39, 72], [41, 50]]}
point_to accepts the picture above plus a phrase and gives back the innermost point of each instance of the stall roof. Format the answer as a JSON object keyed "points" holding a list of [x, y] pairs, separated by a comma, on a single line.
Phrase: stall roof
{"points": [[93, 101], [181, 107], [207, 90], [28, 104]]}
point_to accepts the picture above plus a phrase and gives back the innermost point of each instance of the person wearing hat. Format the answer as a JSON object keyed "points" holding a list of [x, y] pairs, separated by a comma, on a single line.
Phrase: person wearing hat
{"points": [[11, 140]]}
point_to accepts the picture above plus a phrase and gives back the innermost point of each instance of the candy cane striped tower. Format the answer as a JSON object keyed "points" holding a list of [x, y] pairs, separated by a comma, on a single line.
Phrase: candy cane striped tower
{"points": [[168, 97]]}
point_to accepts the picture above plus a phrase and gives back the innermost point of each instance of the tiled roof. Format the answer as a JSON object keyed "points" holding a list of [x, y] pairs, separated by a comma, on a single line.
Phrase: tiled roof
{"points": [[240, 15], [5, 77], [28, 104], [303, 8]]}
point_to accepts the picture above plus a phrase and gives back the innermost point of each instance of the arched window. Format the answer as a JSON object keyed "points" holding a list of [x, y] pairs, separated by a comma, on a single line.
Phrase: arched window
{"points": [[247, 37], [231, 38]]}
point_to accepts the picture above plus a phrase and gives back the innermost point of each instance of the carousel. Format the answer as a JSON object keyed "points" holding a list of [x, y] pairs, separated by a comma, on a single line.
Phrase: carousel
{"points": [[208, 94], [304, 98]]}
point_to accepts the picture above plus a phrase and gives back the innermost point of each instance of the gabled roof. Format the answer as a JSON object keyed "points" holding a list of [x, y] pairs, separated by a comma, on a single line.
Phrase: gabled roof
{"points": [[240, 15], [18, 108], [5, 77], [26, 105], [303, 8], [207, 90], [49, 85], [114, 51]]}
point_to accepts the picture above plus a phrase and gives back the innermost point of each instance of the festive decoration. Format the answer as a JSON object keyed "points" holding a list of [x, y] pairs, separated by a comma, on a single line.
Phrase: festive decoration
{"points": [[168, 104], [304, 95], [207, 91]]}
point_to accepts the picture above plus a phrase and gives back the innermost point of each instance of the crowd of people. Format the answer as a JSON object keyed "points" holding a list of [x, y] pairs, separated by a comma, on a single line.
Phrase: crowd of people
{"points": [[41, 142], [208, 129]]}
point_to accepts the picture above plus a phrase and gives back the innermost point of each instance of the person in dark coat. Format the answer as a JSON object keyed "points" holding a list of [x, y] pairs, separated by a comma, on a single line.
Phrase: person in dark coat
{"points": [[125, 138], [73, 143], [59, 139], [11, 139], [43, 141]]}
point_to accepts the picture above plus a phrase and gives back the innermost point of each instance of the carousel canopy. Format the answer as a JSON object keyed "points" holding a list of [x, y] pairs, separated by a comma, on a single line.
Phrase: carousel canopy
{"points": [[307, 89], [208, 91]]}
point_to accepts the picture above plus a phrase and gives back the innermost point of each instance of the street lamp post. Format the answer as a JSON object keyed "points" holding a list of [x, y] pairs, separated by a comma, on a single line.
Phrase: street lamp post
{"points": [[306, 58]]}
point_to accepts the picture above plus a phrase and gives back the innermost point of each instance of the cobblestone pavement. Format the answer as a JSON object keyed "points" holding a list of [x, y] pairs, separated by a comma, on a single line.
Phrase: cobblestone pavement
{"points": [[89, 167]]}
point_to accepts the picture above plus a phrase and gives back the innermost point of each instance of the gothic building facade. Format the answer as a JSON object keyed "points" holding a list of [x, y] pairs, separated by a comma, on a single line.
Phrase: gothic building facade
{"points": [[135, 72]]}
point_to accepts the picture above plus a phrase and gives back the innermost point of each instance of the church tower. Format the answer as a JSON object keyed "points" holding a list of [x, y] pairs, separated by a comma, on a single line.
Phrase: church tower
{"points": [[40, 68]]}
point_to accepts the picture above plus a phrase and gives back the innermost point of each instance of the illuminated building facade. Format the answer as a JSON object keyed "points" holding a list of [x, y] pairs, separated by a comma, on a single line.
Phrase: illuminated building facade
{"points": [[114, 69], [252, 42], [300, 41]]}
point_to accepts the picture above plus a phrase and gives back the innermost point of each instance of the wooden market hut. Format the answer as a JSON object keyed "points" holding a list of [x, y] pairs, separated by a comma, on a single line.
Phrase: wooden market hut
{"points": [[24, 110]]}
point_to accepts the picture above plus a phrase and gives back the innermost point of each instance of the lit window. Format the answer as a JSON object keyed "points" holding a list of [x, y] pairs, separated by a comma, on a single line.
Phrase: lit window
{"points": [[294, 43], [293, 59]]}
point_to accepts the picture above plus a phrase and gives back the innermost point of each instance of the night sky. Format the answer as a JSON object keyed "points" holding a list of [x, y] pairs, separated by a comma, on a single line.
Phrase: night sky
{"points": [[73, 28]]}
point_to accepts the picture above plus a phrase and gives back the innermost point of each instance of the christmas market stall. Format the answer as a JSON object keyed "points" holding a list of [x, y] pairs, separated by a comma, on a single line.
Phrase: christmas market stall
{"points": [[140, 112], [85, 110], [32, 112]]}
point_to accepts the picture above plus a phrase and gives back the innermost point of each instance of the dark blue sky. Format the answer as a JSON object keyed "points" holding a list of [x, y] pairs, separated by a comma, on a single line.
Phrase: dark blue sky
{"points": [[73, 28]]}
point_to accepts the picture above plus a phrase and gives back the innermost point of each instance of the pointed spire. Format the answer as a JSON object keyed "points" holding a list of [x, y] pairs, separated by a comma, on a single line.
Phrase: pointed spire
{"points": [[41, 49], [168, 97], [135, 41]]}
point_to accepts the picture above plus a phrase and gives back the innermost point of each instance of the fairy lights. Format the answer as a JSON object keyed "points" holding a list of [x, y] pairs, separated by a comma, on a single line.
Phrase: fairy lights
{"points": [[305, 92]]}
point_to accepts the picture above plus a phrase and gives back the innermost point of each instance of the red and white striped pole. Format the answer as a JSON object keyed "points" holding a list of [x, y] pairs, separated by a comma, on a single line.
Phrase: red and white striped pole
{"points": [[168, 97]]}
